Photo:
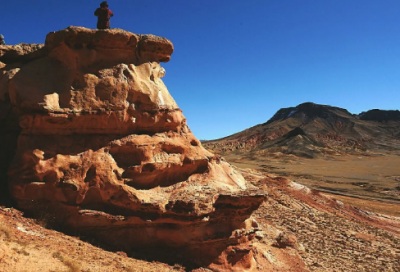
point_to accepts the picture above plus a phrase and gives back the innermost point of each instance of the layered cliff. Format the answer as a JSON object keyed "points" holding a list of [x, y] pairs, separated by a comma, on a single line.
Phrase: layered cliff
{"points": [[104, 148]]}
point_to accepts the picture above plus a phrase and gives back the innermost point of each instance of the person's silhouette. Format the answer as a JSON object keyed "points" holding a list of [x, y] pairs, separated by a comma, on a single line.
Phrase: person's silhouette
{"points": [[103, 14]]}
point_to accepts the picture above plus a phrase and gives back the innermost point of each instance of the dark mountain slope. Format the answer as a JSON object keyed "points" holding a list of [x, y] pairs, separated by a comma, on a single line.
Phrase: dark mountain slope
{"points": [[310, 130], [380, 115]]}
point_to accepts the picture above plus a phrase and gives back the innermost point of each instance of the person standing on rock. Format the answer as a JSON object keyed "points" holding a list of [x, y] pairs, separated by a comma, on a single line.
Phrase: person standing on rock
{"points": [[2, 42], [103, 14]]}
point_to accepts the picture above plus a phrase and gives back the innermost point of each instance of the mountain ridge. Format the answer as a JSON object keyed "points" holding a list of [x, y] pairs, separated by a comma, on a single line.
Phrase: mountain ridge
{"points": [[325, 130]]}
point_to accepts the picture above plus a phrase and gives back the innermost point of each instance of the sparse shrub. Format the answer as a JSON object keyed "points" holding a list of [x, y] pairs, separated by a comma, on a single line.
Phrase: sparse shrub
{"points": [[6, 231], [22, 243], [43, 219], [21, 251], [73, 267], [58, 255]]}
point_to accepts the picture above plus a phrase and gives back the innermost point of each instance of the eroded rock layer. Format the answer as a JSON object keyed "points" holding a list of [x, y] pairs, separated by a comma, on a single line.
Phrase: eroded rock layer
{"points": [[106, 150]]}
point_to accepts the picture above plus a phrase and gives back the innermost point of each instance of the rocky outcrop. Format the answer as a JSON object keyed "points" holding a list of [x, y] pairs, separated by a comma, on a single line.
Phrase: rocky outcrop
{"points": [[21, 53], [106, 150]]}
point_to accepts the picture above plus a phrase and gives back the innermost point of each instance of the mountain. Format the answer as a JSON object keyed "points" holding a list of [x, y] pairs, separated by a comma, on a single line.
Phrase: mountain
{"points": [[380, 115], [311, 130]]}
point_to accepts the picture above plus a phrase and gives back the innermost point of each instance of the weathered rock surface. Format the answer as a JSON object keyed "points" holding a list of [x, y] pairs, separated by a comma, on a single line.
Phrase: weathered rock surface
{"points": [[21, 53], [105, 149]]}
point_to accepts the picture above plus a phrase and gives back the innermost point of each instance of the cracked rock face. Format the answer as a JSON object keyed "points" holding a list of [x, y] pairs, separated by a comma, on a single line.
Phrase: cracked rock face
{"points": [[105, 148]]}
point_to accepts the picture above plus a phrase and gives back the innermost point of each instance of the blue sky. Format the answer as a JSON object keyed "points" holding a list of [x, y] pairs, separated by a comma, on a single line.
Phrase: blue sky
{"points": [[237, 62]]}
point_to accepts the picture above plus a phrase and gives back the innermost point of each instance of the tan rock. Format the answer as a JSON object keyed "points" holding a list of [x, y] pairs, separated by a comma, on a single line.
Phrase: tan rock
{"points": [[106, 150], [21, 52], [287, 239]]}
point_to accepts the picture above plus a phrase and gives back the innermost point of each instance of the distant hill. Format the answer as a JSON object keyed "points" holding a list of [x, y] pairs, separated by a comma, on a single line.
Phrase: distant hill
{"points": [[311, 130], [380, 115]]}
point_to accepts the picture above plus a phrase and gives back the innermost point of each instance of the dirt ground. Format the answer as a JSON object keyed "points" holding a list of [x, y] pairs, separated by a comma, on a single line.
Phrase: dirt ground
{"points": [[25, 246], [336, 236], [366, 181], [337, 230]]}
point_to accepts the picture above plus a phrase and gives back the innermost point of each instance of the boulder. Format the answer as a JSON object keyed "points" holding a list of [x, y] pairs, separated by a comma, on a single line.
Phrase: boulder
{"points": [[22, 53], [105, 149]]}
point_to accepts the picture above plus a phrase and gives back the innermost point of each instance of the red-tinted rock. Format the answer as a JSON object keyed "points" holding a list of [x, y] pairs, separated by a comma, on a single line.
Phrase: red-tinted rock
{"points": [[105, 148], [21, 53]]}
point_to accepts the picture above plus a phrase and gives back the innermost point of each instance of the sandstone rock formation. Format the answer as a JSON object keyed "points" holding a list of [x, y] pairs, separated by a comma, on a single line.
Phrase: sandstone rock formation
{"points": [[106, 150], [21, 53]]}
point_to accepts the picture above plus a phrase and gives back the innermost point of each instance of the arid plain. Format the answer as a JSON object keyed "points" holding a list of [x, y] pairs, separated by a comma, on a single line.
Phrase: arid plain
{"points": [[355, 157], [371, 182]]}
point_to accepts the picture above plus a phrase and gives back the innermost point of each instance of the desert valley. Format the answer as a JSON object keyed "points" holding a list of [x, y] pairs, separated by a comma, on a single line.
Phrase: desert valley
{"points": [[328, 149]]}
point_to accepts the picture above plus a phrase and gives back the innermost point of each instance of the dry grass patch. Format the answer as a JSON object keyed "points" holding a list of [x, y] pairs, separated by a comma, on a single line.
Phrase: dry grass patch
{"points": [[6, 231], [21, 251], [71, 264]]}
